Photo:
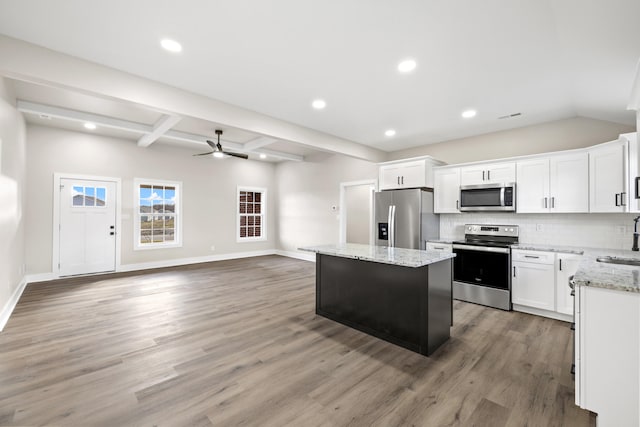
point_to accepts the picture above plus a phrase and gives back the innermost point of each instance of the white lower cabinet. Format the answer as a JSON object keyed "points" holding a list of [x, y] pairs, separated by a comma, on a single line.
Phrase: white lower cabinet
{"points": [[540, 283], [607, 375], [533, 281], [440, 247], [566, 266]]}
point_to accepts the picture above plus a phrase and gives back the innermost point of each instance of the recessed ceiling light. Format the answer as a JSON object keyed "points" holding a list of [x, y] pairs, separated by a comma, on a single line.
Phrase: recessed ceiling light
{"points": [[407, 65], [263, 156], [218, 154], [90, 126], [171, 45], [390, 132], [319, 104], [469, 113]]}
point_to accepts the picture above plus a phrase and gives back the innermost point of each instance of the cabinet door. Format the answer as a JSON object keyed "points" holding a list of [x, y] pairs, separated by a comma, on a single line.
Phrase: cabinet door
{"points": [[569, 183], [532, 188], [501, 172], [533, 285], [412, 175], [473, 175], [566, 266], [488, 173], [389, 177], [446, 191], [607, 178]]}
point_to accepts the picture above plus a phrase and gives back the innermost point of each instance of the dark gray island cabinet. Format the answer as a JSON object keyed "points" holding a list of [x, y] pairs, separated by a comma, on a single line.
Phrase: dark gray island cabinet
{"points": [[402, 296]]}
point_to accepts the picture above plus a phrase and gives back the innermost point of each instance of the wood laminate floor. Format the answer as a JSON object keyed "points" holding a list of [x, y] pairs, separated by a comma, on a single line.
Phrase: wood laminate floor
{"points": [[238, 343]]}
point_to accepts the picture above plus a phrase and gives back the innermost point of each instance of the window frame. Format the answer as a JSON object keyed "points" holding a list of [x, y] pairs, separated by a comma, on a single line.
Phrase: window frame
{"points": [[263, 214], [177, 243]]}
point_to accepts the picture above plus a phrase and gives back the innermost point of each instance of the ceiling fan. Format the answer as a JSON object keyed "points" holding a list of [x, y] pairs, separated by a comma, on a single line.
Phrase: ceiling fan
{"points": [[218, 151]]}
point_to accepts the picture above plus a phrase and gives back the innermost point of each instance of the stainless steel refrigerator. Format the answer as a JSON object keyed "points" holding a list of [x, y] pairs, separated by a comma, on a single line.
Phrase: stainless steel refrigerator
{"points": [[405, 218]]}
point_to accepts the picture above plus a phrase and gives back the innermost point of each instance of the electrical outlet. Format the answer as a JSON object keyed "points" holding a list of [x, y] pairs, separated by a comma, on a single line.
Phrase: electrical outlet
{"points": [[621, 229], [213, 248], [539, 227]]}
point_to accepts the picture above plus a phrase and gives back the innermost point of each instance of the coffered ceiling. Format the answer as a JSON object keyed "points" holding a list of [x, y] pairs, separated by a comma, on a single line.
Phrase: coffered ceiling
{"points": [[543, 59]]}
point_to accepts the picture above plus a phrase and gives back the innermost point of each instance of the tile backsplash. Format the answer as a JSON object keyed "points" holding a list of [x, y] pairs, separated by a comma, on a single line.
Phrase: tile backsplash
{"points": [[611, 231]]}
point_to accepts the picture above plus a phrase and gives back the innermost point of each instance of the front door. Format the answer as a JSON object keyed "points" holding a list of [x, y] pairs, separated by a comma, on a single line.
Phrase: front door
{"points": [[87, 226]]}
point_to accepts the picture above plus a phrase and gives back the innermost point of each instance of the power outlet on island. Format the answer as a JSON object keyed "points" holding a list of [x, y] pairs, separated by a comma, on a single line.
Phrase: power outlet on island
{"points": [[213, 248]]}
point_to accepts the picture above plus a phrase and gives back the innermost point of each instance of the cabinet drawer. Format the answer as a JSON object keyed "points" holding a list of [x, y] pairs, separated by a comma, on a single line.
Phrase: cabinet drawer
{"points": [[439, 247], [535, 257]]}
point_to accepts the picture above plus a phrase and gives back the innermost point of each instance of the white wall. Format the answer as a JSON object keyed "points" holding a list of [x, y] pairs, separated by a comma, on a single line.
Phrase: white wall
{"points": [[208, 185], [12, 200], [558, 135], [306, 193], [581, 230]]}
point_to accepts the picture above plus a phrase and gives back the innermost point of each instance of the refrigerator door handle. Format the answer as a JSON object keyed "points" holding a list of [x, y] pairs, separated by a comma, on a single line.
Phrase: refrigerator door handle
{"points": [[392, 226]]}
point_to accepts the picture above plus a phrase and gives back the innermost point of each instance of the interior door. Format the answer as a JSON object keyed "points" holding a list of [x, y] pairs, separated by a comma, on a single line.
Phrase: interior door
{"points": [[87, 227]]}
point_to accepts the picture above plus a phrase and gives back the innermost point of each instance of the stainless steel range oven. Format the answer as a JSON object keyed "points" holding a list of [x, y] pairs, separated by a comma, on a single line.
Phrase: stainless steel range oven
{"points": [[481, 272]]}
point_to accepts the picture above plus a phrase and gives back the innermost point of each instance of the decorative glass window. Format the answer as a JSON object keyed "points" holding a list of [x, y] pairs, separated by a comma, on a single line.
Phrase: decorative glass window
{"points": [[252, 211], [158, 218], [89, 196]]}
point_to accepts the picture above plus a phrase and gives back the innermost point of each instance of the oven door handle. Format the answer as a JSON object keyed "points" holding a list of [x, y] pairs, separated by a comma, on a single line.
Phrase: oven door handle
{"points": [[482, 249]]}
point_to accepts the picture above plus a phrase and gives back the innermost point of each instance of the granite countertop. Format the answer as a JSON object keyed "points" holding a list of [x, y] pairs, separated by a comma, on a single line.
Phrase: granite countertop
{"points": [[382, 254], [548, 248], [609, 276]]}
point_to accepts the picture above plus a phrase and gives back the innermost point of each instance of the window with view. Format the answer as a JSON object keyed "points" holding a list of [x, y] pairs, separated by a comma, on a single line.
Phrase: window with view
{"points": [[252, 214], [157, 214]]}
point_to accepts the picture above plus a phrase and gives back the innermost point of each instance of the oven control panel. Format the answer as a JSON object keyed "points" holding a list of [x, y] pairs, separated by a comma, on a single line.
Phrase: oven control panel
{"points": [[491, 230]]}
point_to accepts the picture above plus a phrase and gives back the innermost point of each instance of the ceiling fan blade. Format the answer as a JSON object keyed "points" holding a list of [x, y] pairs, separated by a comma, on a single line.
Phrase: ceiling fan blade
{"points": [[211, 144], [239, 155], [205, 154]]}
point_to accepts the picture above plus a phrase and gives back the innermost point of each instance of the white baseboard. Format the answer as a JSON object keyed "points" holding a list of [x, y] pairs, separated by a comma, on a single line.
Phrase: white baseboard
{"points": [[193, 260], [544, 313], [42, 277], [11, 304], [45, 277], [305, 256]]}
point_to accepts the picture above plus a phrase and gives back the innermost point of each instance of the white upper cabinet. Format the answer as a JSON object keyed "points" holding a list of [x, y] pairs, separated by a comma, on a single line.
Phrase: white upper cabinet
{"points": [[633, 185], [607, 177], [488, 173], [569, 183], [446, 190], [532, 186], [410, 174], [553, 184]]}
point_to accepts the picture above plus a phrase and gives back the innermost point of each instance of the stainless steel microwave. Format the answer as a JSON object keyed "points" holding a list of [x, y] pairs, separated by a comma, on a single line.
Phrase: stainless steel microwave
{"points": [[488, 197]]}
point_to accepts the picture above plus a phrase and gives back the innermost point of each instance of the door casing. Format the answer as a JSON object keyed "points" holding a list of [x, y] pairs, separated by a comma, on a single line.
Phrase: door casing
{"points": [[57, 177]]}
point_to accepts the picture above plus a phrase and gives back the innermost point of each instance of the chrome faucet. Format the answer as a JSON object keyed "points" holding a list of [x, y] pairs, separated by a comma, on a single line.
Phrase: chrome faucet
{"points": [[635, 233]]}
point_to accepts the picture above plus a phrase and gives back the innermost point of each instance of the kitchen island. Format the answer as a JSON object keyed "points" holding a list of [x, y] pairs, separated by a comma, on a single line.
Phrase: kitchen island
{"points": [[402, 296]]}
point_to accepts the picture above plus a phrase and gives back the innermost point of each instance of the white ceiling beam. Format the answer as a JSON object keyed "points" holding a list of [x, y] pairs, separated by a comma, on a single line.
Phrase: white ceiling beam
{"points": [[192, 137], [25, 61], [258, 142], [165, 123], [281, 155], [134, 127], [80, 116]]}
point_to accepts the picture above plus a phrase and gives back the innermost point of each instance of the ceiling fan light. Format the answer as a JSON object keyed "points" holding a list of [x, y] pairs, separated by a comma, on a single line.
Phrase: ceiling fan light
{"points": [[218, 154]]}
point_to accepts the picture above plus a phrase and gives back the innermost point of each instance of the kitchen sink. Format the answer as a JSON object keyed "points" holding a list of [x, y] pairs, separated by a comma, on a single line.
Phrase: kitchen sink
{"points": [[619, 260]]}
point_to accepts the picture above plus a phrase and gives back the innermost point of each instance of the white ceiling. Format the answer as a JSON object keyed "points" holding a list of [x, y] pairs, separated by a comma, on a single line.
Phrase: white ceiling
{"points": [[546, 59]]}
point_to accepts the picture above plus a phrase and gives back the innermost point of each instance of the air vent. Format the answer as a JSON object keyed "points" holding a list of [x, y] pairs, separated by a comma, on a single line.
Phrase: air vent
{"points": [[45, 116], [510, 116]]}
